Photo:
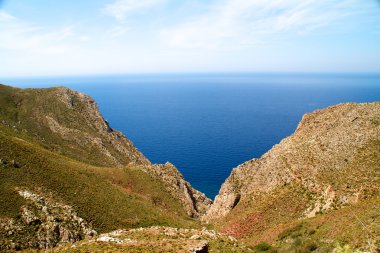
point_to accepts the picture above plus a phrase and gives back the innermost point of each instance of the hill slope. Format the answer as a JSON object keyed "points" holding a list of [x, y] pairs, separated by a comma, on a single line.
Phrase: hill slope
{"points": [[55, 145], [69, 123], [66, 175], [66, 122], [323, 180]]}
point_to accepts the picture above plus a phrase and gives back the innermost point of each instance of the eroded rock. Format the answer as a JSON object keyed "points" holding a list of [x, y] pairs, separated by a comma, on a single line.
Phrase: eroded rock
{"points": [[44, 223], [325, 140]]}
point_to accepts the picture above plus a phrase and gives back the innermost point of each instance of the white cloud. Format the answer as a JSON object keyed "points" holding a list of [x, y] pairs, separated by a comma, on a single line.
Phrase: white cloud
{"points": [[233, 23], [215, 35], [22, 36], [122, 8], [6, 17]]}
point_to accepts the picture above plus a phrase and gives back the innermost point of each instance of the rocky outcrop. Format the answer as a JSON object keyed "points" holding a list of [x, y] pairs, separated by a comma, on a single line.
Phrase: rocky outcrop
{"points": [[119, 147], [161, 239], [97, 133], [194, 202], [43, 223], [68, 122], [324, 142]]}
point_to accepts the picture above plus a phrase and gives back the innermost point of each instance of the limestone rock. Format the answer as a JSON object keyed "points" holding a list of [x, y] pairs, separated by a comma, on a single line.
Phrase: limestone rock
{"points": [[111, 143], [52, 223], [199, 247], [325, 140], [161, 239], [195, 203]]}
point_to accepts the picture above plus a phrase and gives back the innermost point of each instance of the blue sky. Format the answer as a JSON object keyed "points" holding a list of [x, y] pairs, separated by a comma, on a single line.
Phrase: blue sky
{"points": [[45, 38]]}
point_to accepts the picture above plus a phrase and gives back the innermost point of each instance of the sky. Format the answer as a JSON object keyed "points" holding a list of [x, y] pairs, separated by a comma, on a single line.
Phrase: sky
{"points": [[96, 37]]}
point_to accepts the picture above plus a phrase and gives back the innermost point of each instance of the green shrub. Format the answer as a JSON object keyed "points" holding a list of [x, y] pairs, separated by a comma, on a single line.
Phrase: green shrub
{"points": [[264, 246]]}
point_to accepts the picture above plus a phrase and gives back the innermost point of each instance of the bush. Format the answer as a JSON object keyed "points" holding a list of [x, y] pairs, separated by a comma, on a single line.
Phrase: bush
{"points": [[264, 246]]}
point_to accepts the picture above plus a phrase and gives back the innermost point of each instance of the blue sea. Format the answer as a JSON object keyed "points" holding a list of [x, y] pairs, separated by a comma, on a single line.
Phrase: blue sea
{"points": [[207, 124]]}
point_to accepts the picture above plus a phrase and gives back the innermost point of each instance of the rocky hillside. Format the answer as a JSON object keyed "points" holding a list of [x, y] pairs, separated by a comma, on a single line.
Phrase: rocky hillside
{"points": [[193, 201], [70, 181], [55, 142], [42, 223], [66, 122], [158, 239], [330, 164]]}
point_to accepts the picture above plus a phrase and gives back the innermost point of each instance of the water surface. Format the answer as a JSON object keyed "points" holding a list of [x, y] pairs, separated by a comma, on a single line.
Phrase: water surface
{"points": [[208, 124]]}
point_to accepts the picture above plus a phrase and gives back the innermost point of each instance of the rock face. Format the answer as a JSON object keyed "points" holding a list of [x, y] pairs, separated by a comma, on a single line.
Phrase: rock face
{"points": [[67, 122], [324, 142], [111, 143], [195, 202], [44, 224]]}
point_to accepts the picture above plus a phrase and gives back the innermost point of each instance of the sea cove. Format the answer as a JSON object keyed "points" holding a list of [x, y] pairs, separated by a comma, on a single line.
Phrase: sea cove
{"points": [[206, 124]]}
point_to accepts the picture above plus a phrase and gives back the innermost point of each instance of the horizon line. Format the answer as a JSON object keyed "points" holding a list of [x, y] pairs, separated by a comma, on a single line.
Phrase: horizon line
{"points": [[373, 73]]}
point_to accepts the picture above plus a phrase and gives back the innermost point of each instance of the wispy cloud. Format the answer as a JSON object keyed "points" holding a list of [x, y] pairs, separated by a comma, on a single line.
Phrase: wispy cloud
{"points": [[121, 9], [236, 22], [19, 35], [6, 17], [207, 35]]}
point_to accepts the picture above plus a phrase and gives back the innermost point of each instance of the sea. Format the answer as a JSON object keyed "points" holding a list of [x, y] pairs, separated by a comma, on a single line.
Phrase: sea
{"points": [[207, 124]]}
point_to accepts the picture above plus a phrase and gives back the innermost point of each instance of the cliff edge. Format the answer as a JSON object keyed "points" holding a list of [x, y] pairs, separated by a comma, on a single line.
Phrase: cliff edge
{"points": [[54, 143], [316, 187], [69, 122], [325, 141]]}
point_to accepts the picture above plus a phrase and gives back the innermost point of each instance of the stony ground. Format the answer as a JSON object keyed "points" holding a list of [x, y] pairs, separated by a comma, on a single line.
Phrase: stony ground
{"points": [[157, 239]]}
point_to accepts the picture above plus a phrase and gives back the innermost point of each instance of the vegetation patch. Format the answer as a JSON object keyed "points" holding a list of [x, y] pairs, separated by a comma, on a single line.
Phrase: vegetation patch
{"points": [[107, 198]]}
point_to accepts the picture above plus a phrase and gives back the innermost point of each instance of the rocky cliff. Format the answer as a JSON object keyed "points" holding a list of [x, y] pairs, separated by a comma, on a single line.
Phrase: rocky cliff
{"points": [[54, 142], [324, 141], [69, 122], [195, 202], [109, 143], [309, 188]]}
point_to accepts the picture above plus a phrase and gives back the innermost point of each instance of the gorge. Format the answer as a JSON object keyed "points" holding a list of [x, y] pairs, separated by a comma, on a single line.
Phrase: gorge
{"points": [[68, 179]]}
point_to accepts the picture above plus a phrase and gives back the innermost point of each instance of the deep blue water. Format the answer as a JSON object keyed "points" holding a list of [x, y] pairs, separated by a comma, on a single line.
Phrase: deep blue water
{"points": [[208, 124]]}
